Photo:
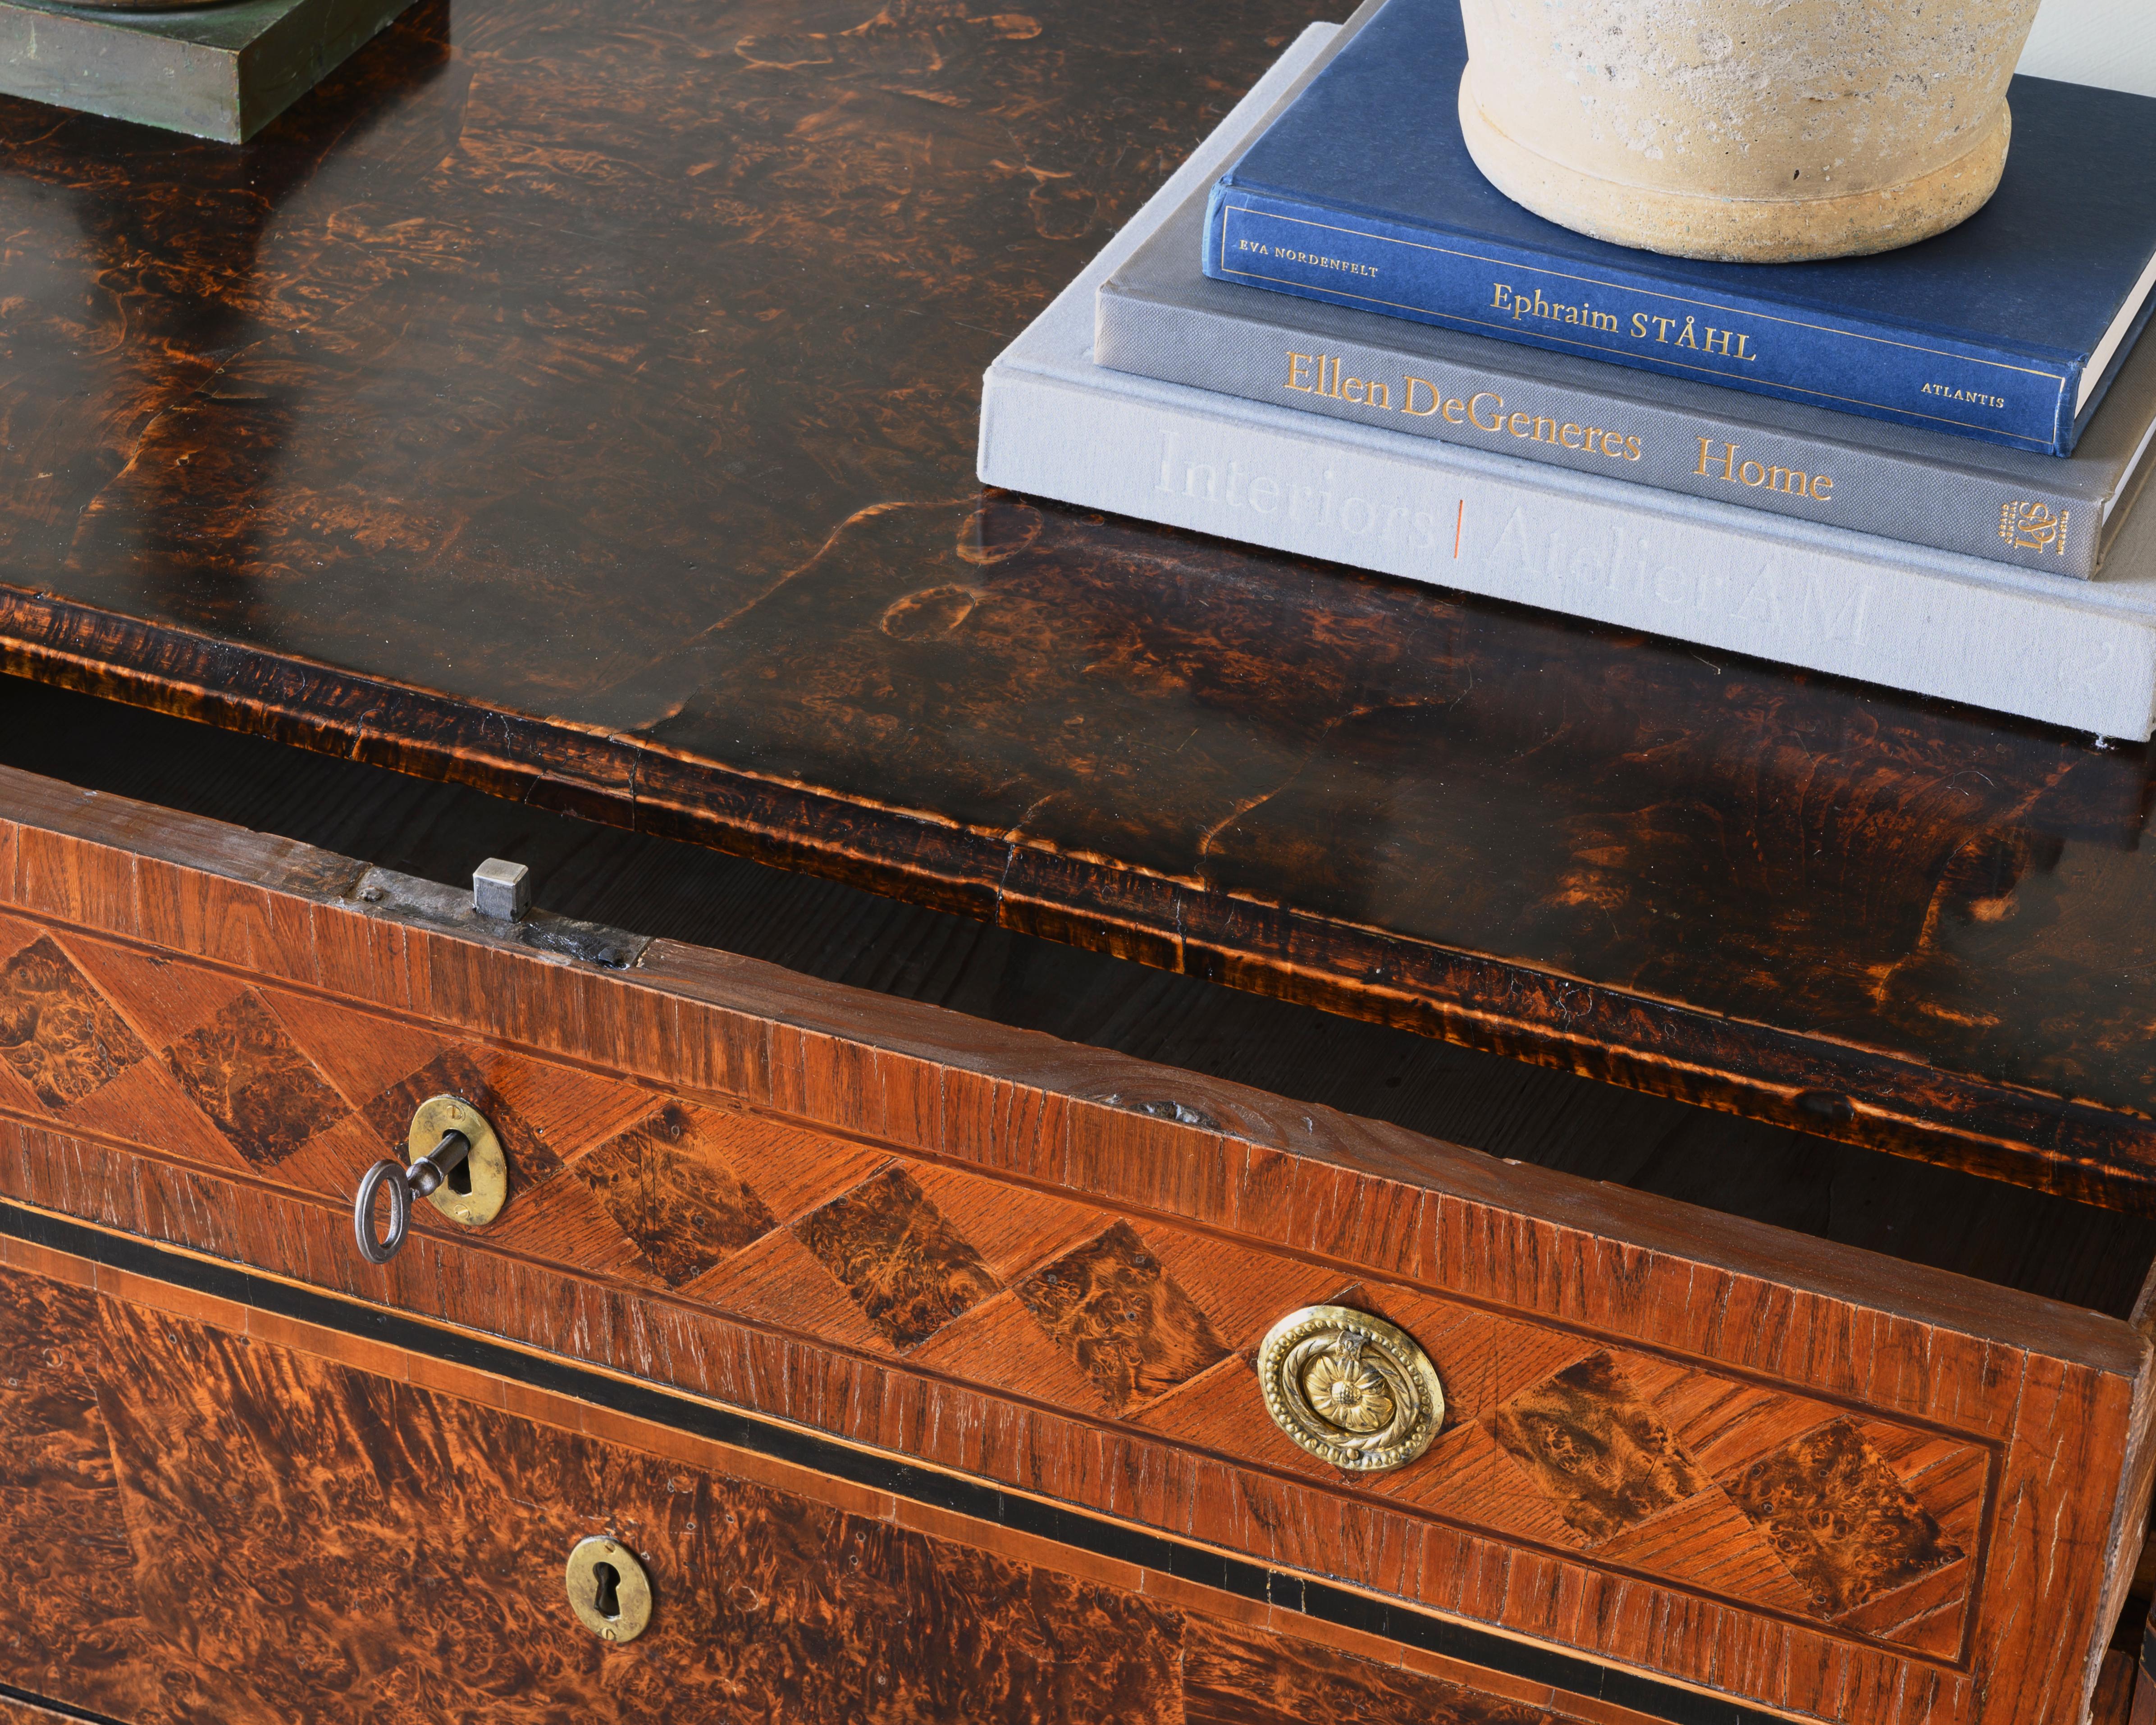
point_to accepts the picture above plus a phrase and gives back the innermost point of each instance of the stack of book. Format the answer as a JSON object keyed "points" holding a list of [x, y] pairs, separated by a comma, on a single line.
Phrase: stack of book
{"points": [[1329, 335]]}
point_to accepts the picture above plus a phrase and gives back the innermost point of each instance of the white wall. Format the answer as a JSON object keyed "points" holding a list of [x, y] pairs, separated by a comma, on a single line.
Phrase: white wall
{"points": [[2112, 42]]}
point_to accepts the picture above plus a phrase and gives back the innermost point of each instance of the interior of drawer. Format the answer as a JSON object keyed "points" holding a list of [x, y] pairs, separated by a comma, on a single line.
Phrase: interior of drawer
{"points": [[2039, 1244]]}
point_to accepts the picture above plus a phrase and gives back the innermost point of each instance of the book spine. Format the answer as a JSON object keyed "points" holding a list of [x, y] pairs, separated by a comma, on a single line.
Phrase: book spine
{"points": [[1668, 566], [2023, 401], [1590, 431]]}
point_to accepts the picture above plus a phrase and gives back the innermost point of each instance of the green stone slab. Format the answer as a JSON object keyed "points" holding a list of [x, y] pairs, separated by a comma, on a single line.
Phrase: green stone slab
{"points": [[222, 72]]}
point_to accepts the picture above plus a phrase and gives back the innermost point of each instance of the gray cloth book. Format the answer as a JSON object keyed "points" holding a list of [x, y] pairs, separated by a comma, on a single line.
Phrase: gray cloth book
{"points": [[2081, 654], [1159, 316]]}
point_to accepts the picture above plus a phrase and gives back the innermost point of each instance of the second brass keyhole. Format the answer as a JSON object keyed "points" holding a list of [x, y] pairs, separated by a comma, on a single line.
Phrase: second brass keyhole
{"points": [[607, 1589]]}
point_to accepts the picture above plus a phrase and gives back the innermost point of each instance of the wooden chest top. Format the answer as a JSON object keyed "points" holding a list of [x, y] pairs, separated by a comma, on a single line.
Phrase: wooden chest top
{"points": [[579, 400]]}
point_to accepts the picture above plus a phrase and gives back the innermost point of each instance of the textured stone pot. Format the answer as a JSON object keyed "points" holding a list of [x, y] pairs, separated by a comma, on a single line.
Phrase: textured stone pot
{"points": [[1754, 131]]}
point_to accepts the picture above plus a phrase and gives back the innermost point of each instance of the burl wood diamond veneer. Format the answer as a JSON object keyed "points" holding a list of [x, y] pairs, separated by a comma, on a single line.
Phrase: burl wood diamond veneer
{"points": [[1809, 1479]]}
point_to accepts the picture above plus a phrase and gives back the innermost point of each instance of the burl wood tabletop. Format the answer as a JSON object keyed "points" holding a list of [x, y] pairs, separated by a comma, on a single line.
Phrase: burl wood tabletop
{"points": [[577, 398]]}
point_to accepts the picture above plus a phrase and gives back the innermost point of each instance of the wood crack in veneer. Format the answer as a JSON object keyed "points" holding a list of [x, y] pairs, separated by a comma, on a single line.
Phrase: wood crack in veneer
{"points": [[1813, 1479]]}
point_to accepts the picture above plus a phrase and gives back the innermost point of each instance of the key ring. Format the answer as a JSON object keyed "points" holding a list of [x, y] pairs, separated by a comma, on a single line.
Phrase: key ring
{"points": [[403, 1184], [464, 1175]]}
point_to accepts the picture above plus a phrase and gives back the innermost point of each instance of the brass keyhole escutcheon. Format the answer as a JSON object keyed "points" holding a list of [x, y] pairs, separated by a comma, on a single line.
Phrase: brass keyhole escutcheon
{"points": [[609, 1590], [1350, 1388], [457, 1166], [476, 1189]]}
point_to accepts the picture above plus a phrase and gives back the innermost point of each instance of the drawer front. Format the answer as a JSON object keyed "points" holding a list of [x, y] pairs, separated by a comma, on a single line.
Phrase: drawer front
{"points": [[217, 1514], [1802, 1477]]}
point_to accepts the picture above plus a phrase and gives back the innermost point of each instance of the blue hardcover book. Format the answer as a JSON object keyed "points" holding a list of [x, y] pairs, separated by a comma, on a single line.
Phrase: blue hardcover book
{"points": [[2008, 329]]}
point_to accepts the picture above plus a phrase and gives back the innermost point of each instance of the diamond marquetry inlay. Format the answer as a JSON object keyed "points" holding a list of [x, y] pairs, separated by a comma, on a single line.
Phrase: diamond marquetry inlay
{"points": [[1129, 1325], [59, 1033], [1727, 1488], [1839, 1519], [1602, 1454], [669, 1191], [244, 1071], [908, 1269]]}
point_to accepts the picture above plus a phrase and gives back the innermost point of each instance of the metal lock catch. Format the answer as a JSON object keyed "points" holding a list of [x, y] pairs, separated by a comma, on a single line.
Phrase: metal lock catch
{"points": [[609, 1590], [457, 1166], [501, 890]]}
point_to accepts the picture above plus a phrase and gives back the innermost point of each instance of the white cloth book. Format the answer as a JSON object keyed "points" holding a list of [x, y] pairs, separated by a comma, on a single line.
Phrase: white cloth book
{"points": [[1054, 424]]}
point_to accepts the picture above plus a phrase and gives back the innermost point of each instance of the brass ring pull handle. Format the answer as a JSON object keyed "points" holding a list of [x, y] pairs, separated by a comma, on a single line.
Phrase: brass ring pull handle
{"points": [[457, 1166], [1350, 1388]]}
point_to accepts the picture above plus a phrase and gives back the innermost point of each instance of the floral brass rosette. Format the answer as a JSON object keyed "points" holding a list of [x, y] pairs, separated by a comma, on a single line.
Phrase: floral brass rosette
{"points": [[1351, 1388]]}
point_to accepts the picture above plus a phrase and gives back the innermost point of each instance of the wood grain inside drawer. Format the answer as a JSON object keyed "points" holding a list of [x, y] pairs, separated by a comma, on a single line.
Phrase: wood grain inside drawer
{"points": [[1815, 1479]]}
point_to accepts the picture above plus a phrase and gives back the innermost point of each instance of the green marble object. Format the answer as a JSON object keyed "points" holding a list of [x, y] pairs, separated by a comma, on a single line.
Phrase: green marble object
{"points": [[217, 71]]}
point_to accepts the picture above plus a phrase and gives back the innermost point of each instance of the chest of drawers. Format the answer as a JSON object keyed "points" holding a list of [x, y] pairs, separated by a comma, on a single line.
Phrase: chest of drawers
{"points": [[991, 966], [1814, 1479]]}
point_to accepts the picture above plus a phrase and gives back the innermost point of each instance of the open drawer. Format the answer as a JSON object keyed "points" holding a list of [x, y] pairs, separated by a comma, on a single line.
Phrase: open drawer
{"points": [[1811, 1480]]}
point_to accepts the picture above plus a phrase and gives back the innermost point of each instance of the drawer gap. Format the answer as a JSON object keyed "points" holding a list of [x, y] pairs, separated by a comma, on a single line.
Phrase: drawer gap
{"points": [[2054, 1246]]}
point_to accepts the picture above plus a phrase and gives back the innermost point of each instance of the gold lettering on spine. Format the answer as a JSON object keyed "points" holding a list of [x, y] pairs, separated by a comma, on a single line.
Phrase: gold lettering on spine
{"points": [[1721, 463], [1420, 399]]}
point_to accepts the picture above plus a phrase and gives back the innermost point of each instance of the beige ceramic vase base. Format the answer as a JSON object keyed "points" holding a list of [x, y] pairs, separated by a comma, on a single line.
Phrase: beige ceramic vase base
{"points": [[1737, 230]]}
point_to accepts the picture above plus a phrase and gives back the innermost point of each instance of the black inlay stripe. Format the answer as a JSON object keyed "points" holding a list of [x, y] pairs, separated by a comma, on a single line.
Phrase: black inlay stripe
{"points": [[1315, 1600], [8, 1692]]}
